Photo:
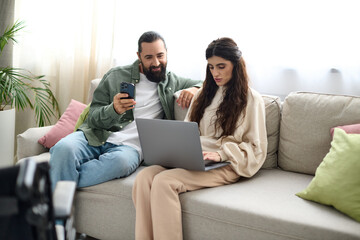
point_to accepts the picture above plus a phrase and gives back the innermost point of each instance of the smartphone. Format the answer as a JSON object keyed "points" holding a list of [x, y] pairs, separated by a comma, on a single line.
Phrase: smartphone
{"points": [[128, 88]]}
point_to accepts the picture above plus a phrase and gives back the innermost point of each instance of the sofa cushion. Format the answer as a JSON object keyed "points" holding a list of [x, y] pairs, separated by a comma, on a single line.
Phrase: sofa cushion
{"points": [[273, 113], [109, 203], [82, 117], [64, 126], [352, 128], [337, 179], [305, 127], [262, 207], [27, 142]]}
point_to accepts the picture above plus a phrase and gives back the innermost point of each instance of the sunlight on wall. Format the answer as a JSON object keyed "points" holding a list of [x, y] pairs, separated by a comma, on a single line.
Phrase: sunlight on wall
{"points": [[294, 45], [288, 45]]}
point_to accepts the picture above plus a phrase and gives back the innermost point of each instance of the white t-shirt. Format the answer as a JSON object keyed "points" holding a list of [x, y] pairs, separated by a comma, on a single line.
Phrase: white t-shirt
{"points": [[147, 105]]}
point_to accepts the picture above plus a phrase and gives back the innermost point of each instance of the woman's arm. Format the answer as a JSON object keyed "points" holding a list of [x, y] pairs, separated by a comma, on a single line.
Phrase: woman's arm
{"points": [[246, 149]]}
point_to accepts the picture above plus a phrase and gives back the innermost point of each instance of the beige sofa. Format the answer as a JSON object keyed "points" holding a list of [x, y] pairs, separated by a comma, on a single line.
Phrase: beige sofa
{"points": [[262, 207]]}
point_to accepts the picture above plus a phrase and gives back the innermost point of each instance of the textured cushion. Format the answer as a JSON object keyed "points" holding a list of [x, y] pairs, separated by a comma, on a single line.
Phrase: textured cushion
{"points": [[352, 128], [27, 142], [64, 126], [273, 115], [273, 111], [82, 117], [304, 129], [337, 179]]}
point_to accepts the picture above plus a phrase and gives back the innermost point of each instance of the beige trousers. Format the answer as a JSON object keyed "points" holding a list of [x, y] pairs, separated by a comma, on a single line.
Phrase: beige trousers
{"points": [[156, 198]]}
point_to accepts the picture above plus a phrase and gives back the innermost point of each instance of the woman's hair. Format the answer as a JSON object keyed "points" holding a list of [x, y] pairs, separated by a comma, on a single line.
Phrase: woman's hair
{"points": [[235, 97]]}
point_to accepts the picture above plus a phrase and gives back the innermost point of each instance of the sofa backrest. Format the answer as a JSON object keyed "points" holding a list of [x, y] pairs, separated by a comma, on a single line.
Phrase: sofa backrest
{"points": [[273, 115], [93, 85], [305, 127]]}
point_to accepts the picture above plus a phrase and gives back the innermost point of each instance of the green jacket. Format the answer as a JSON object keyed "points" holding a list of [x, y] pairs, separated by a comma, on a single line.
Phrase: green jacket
{"points": [[102, 119]]}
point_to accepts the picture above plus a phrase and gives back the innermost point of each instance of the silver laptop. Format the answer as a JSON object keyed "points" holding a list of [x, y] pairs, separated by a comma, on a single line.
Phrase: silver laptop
{"points": [[173, 144]]}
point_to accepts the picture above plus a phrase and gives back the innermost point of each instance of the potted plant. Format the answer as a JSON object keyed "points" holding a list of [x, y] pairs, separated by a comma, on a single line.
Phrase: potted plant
{"points": [[19, 89]]}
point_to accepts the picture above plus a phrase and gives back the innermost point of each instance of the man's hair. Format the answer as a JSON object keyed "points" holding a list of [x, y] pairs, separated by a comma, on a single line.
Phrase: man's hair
{"points": [[149, 37]]}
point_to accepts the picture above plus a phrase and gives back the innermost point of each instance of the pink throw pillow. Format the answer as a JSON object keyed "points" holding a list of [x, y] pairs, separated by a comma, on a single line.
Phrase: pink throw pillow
{"points": [[353, 128], [64, 126]]}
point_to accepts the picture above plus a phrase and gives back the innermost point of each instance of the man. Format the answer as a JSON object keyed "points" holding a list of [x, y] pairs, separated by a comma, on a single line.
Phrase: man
{"points": [[107, 145]]}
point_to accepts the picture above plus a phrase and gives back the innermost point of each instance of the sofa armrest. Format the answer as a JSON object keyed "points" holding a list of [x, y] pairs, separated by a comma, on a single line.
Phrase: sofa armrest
{"points": [[27, 142]]}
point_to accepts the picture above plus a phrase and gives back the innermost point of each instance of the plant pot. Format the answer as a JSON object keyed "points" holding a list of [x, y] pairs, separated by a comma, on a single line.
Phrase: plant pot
{"points": [[7, 137]]}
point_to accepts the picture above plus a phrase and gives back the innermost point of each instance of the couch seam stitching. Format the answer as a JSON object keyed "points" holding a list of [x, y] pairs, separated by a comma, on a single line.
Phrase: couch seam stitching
{"points": [[113, 195]]}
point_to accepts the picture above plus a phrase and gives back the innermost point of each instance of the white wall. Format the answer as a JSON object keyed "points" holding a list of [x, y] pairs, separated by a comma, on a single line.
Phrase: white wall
{"points": [[288, 45]]}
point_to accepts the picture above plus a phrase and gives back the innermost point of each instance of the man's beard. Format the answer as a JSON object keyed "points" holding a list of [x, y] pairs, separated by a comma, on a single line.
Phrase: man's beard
{"points": [[155, 76]]}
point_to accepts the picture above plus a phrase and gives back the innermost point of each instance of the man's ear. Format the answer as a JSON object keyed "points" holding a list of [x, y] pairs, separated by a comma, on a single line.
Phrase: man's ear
{"points": [[138, 54]]}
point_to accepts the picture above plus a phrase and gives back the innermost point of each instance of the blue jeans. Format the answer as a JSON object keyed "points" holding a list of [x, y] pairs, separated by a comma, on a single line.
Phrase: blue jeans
{"points": [[72, 158]]}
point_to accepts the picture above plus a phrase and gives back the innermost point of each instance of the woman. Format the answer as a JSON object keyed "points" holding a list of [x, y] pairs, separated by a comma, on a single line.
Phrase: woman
{"points": [[231, 118]]}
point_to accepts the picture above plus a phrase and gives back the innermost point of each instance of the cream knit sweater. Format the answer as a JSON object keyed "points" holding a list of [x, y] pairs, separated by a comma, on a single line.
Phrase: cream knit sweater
{"points": [[246, 148]]}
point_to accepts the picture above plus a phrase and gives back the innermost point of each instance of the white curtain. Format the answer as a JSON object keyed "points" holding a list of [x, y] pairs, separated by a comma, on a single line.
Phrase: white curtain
{"points": [[299, 45], [70, 42]]}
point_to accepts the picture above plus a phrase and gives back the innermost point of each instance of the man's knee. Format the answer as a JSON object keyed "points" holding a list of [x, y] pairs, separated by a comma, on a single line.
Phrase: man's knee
{"points": [[128, 166], [64, 153], [63, 146], [125, 162]]}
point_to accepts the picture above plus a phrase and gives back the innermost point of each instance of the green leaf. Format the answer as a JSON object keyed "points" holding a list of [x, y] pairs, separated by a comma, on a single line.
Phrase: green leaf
{"points": [[21, 89], [10, 33]]}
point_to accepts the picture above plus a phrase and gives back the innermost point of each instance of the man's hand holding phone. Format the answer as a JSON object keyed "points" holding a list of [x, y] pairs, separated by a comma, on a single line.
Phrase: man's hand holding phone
{"points": [[124, 100], [122, 103]]}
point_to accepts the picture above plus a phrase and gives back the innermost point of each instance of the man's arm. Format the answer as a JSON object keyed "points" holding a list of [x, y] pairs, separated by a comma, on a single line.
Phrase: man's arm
{"points": [[190, 87], [186, 96], [107, 107], [121, 105]]}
